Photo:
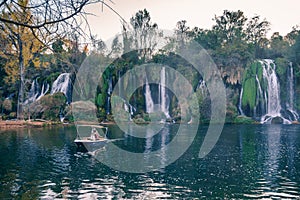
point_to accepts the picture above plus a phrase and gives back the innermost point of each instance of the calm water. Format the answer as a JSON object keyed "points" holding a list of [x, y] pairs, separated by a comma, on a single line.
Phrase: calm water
{"points": [[249, 161]]}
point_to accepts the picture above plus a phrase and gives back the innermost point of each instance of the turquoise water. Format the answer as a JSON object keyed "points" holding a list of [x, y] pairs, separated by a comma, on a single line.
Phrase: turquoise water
{"points": [[249, 161]]}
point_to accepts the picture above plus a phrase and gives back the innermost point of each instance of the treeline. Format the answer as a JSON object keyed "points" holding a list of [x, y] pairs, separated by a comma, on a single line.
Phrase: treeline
{"points": [[234, 42]]}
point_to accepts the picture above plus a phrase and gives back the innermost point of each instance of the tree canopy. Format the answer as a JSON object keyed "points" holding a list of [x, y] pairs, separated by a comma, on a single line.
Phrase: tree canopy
{"points": [[29, 49]]}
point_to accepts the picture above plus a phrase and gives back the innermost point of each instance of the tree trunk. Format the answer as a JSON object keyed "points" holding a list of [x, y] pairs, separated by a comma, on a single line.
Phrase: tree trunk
{"points": [[20, 113]]}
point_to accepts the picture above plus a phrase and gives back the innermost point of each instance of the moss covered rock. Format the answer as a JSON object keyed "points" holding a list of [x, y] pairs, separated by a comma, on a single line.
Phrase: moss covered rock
{"points": [[49, 107], [243, 120]]}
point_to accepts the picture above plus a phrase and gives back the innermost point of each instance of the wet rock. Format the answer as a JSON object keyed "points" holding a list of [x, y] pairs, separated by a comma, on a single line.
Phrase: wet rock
{"points": [[277, 120]]}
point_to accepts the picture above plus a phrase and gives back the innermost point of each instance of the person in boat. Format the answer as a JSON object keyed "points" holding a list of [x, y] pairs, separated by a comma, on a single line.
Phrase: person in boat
{"points": [[95, 135]]}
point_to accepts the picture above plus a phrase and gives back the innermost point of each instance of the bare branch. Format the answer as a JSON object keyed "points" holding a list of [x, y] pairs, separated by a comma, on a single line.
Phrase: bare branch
{"points": [[2, 3], [48, 12], [58, 19]]}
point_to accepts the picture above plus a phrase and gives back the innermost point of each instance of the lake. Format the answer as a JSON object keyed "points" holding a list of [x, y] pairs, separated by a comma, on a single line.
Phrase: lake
{"points": [[248, 161]]}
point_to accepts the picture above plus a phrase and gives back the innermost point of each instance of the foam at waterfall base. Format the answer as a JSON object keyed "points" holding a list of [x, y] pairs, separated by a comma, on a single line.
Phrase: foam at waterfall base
{"points": [[275, 119]]}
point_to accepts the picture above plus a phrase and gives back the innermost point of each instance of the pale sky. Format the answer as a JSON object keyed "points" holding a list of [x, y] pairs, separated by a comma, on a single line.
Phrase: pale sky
{"points": [[283, 15]]}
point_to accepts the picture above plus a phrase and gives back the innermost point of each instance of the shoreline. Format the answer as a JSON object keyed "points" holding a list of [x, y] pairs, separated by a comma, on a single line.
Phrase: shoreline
{"points": [[14, 124]]}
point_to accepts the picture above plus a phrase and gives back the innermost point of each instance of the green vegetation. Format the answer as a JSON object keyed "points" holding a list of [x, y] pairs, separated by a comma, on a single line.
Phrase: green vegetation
{"points": [[235, 42], [250, 84]]}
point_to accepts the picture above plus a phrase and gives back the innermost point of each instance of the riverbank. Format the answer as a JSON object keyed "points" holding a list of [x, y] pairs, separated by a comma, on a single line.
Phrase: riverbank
{"points": [[8, 124], [12, 124]]}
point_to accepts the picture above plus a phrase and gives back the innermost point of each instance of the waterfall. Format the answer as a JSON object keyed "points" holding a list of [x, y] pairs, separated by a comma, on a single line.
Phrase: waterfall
{"points": [[159, 94], [269, 74], [109, 92], [240, 103], [148, 97], [43, 91], [61, 115], [35, 94], [63, 84], [129, 108], [163, 96], [291, 94], [203, 88], [120, 84], [268, 105], [132, 109], [108, 105], [273, 93], [126, 108]]}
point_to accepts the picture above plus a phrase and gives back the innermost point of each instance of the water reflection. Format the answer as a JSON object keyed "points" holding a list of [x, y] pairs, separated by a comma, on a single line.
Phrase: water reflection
{"points": [[258, 161], [274, 176]]}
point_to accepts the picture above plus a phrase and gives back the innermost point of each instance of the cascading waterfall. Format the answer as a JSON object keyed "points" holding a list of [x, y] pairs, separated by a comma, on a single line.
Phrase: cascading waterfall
{"points": [[203, 88], [43, 91], [148, 97], [291, 94], [109, 92], [110, 86], [126, 108], [108, 105], [129, 108], [240, 103], [262, 95], [273, 108], [35, 94], [63, 84], [120, 84], [163, 96]]}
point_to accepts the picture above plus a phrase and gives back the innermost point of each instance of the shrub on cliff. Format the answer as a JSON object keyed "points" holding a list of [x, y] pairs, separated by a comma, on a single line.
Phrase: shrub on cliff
{"points": [[48, 107]]}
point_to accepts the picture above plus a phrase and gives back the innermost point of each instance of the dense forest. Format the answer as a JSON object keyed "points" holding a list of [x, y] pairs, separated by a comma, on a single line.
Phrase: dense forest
{"points": [[36, 79]]}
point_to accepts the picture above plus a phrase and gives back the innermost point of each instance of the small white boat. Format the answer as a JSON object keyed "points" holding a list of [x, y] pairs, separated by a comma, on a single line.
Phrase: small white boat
{"points": [[94, 140]]}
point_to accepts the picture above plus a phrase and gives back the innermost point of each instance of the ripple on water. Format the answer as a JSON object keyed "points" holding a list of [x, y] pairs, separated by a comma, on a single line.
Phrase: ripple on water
{"points": [[48, 194], [245, 164], [98, 188], [283, 189], [271, 195]]}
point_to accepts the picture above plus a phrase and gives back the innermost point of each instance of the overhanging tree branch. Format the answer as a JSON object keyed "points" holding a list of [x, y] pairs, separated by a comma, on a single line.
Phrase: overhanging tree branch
{"points": [[48, 12], [57, 19]]}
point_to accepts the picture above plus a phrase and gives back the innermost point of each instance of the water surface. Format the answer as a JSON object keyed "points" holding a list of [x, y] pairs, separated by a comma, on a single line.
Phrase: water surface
{"points": [[249, 161]]}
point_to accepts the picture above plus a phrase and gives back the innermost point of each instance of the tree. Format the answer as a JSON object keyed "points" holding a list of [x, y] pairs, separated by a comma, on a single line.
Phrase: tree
{"points": [[230, 25], [278, 46], [67, 54], [233, 51], [209, 39], [295, 54], [60, 15], [293, 40], [256, 32], [98, 45], [182, 32], [116, 47], [21, 43], [144, 33], [292, 36], [32, 26]]}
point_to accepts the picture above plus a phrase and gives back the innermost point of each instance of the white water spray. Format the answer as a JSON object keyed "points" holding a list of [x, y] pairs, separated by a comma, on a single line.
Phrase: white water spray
{"points": [[148, 97], [273, 93], [163, 96], [63, 84], [291, 94]]}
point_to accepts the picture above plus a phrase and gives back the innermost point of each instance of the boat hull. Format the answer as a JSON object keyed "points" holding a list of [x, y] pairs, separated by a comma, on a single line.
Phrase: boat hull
{"points": [[90, 145]]}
